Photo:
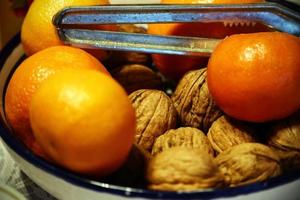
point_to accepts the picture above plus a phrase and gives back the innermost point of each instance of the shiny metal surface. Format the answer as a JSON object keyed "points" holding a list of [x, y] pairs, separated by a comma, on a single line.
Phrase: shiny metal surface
{"points": [[274, 15], [138, 42]]}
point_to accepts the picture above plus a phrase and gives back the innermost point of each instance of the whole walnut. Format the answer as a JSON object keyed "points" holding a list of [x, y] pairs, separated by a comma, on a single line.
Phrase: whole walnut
{"points": [[226, 132], [155, 115], [248, 163], [285, 140], [135, 76], [193, 102], [183, 136], [183, 169]]}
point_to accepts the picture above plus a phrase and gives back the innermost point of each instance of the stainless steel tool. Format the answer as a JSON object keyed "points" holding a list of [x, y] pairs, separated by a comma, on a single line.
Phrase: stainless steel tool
{"points": [[276, 15]]}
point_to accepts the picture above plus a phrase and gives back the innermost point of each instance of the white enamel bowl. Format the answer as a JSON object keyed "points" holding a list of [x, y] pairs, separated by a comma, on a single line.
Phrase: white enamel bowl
{"points": [[66, 185]]}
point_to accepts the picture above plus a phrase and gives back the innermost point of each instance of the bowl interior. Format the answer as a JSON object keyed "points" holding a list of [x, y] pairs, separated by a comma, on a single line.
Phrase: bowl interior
{"points": [[11, 56]]}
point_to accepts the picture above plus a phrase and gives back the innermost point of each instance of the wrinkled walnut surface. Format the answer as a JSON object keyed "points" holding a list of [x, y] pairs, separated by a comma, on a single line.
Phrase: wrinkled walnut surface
{"points": [[226, 132], [193, 101], [285, 140], [155, 115], [248, 163], [135, 76], [183, 169], [184, 136], [286, 134]]}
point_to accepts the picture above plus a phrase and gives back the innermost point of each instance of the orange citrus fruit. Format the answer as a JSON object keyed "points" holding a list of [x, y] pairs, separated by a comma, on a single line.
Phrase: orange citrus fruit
{"points": [[84, 121], [256, 77], [173, 66], [28, 77], [37, 30]]}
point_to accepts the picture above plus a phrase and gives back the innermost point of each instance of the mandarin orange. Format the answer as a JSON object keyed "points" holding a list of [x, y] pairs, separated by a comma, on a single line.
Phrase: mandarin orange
{"points": [[37, 30], [83, 121], [175, 66], [28, 77], [256, 77]]}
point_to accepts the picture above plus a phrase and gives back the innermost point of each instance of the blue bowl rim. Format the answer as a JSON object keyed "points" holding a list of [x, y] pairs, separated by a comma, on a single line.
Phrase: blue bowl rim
{"points": [[74, 179]]}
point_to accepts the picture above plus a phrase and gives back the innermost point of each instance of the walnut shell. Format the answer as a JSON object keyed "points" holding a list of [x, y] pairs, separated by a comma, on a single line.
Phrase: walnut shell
{"points": [[155, 115], [193, 101], [285, 140], [134, 77], [226, 132], [184, 136], [183, 169], [248, 163]]}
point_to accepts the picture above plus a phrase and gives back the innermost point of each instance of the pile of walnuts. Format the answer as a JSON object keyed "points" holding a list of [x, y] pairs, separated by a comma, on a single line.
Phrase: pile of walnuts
{"points": [[184, 142]]}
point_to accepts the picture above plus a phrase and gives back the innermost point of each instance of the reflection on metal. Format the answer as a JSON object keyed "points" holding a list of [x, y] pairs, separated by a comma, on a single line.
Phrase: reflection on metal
{"points": [[275, 15]]}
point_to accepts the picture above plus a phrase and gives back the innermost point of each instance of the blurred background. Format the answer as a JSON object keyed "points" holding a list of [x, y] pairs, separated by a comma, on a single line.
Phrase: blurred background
{"points": [[10, 21]]}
